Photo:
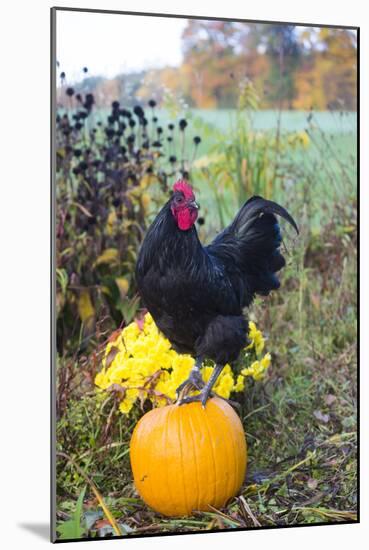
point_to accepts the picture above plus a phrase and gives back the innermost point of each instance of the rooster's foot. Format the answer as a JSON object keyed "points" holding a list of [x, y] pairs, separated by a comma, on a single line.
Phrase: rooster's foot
{"points": [[193, 399], [203, 397], [193, 382]]}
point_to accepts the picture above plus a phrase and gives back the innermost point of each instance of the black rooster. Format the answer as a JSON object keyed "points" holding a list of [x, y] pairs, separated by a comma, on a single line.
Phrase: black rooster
{"points": [[196, 294]]}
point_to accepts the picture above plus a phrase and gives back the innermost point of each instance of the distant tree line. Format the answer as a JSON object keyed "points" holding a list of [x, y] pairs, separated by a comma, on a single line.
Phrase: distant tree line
{"points": [[290, 67]]}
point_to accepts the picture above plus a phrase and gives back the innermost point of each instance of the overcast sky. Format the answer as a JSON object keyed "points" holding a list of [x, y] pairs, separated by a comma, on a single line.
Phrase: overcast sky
{"points": [[109, 44]]}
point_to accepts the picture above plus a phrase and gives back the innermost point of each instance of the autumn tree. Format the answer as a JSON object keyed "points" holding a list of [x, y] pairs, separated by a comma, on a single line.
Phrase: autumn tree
{"points": [[213, 50], [284, 51], [327, 75], [290, 67]]}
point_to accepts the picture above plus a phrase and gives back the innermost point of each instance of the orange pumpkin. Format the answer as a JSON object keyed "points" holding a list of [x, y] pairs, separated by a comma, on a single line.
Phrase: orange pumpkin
{"points": [[185, 457]]}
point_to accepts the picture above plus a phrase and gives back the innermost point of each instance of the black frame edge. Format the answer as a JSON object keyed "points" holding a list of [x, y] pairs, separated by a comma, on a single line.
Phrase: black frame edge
{"points": [[204, 17], [53, 537]]}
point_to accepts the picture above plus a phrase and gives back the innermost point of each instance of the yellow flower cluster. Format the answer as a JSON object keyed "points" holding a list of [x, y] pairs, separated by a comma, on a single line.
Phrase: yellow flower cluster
{"points": [[141, 363], [257, 368], [256, 337]]}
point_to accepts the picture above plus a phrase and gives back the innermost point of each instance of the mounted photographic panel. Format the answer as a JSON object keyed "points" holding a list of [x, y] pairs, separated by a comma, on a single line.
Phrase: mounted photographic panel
{"points": [[204, 209]]}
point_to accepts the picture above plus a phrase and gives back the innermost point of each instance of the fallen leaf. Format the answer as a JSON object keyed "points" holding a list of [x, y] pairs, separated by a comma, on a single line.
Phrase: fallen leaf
{"points": [[111, 355], [91, 516], [114, 335], [321, 417], [85, 306], [83, 209], [123, 285], [329, 399], [312, 483], [109, 256], [100, 523]]}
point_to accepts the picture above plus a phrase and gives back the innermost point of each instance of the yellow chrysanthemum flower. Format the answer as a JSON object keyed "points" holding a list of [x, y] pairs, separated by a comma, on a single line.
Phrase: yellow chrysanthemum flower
{"points": [[101, 380], [224, 385], [141, 360], [256, 337], [266, 360], [240, 384], [258, 368], [126, 406]]}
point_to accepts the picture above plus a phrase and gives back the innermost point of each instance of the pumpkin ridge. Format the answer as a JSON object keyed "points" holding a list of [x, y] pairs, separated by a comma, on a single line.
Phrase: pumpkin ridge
{"points": [[140, 432], [241, 465], [196, 461], [212, 453], [236, 470], [235, 461], [161, 414], [230, 457], [198, 417], [166, 454], [180, 430], [157, 413]]}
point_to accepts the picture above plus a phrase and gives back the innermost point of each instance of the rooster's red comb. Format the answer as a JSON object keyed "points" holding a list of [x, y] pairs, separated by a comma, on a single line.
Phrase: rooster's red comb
{"points": [[185, 188]]}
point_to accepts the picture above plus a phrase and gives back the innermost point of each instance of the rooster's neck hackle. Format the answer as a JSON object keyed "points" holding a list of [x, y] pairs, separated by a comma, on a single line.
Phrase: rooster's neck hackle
{"points": [[166, 244]]}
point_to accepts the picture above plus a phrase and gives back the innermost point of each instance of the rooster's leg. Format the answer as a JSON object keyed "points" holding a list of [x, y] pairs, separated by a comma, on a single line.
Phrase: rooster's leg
{"points": [[194, 381], [203, 396]]}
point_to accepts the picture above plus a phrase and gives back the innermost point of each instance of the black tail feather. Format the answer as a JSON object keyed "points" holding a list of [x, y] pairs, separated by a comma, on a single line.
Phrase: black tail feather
{"points": [[257, 206], [253, 242]]}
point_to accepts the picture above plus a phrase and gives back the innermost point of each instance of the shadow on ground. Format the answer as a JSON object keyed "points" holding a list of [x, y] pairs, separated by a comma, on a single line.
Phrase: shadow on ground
{"points": [[42, 530]]}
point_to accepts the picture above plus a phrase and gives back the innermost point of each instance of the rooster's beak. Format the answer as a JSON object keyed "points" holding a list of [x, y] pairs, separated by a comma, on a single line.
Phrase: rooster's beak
{"points": [[193, 204]]}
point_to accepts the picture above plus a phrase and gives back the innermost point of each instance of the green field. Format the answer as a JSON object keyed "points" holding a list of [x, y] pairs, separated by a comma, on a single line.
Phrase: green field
{"points": [[333, 122], [330, 121]]}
